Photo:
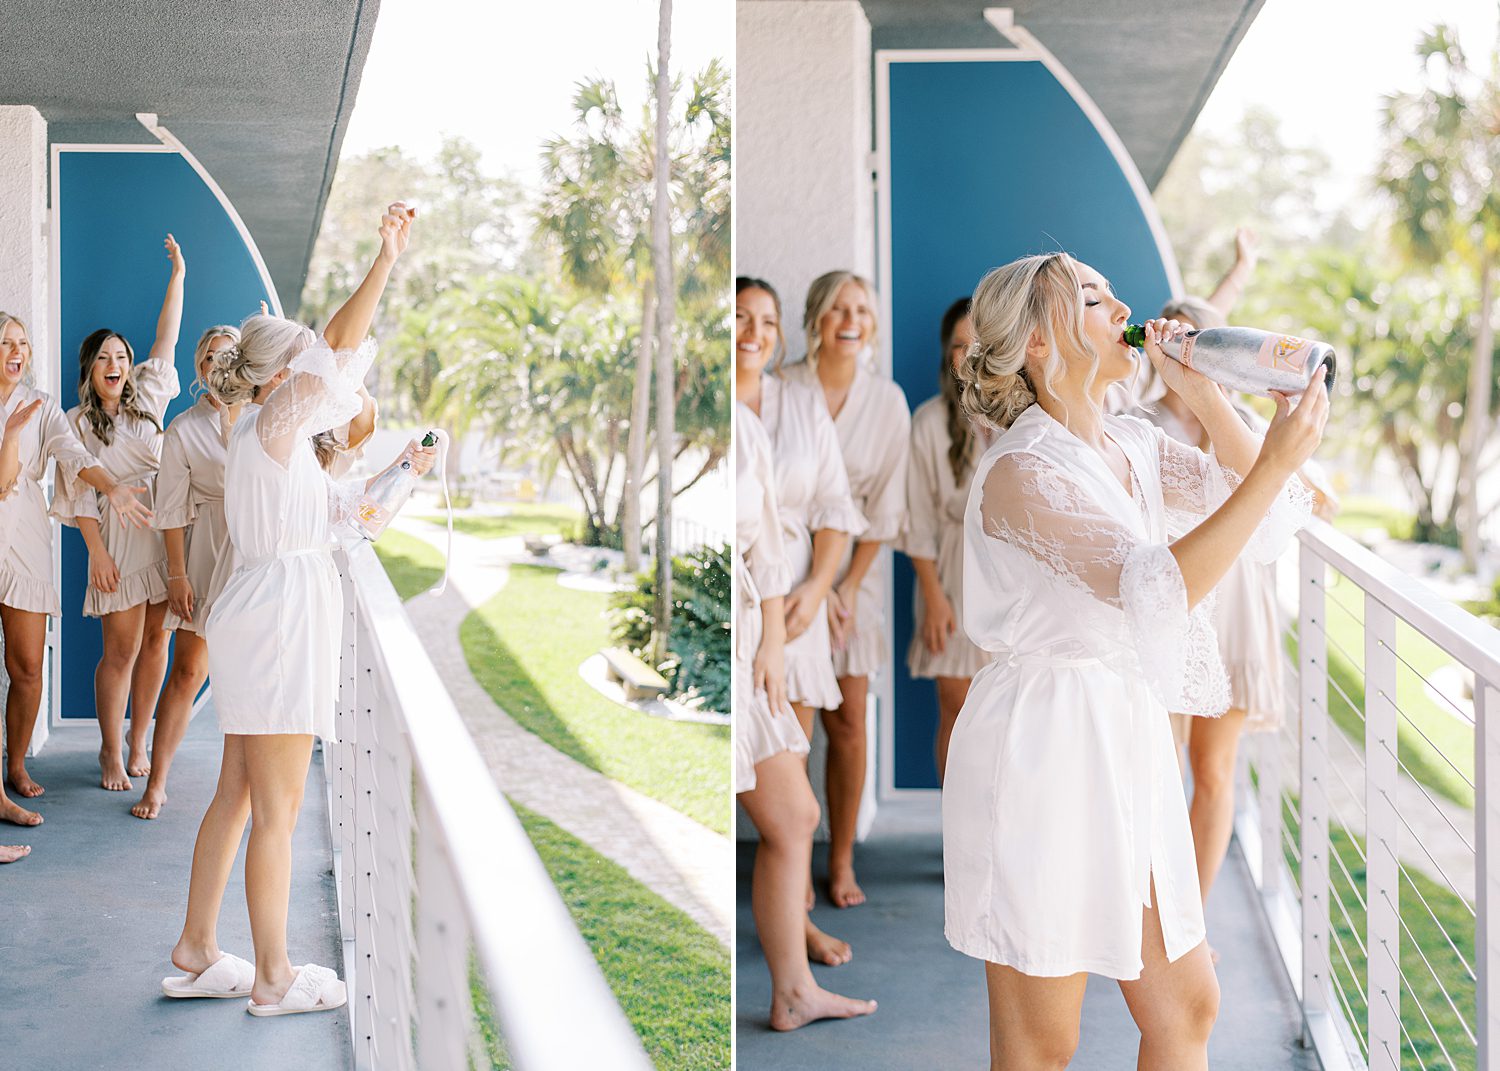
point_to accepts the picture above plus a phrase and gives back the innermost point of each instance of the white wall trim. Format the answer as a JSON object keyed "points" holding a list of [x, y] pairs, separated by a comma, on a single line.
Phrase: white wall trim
{"points": [[169, 140]]}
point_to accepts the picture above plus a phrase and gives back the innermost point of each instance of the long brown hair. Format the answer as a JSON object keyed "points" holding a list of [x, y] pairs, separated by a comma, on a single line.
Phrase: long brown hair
{"points": [[960, 431], [90, 407]]}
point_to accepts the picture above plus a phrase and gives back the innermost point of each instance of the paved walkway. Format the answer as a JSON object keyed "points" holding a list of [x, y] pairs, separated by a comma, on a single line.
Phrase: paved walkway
{"points": [[680, 860], [90, 917], [932, 1010]]}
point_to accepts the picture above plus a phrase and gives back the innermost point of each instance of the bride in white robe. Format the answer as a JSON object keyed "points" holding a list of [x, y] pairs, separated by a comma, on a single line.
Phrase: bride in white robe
{"points": [[1065, 834]]}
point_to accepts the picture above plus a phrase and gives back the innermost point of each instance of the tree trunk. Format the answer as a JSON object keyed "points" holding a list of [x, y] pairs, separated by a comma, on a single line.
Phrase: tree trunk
{"points": [[1476, 415], [666, 306], [635, 450]]}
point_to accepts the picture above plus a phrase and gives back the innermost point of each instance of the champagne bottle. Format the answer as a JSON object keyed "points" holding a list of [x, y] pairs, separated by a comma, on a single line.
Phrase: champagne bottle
{"points": [[1247, 359], [386, 494]]}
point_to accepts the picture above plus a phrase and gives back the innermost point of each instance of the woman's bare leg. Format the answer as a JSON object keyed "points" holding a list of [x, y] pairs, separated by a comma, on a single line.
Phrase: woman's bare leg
{"points": [[25, 645], [1033, 1021], [145, 685], [805, 719], [1174, 1004], [846, 784], [189, 671], [213, 858], [951, 693], [276, 767], [122, 642], [1212, 750], [785, 813]]}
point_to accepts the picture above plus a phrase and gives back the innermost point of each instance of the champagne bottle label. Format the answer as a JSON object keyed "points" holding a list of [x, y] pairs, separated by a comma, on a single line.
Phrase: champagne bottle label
{"points": [[1285, 352], [372, 516]]}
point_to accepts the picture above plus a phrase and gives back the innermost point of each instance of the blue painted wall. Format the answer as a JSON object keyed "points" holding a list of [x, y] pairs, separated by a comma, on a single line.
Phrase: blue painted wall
{"points": [[114, 209], [989, 161]]}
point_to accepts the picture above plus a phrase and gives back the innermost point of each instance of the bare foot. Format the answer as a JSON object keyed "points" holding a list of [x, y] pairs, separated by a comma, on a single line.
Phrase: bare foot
{"points": [[150, 805], [21, 781], [112, 773], [9, 853], [800, 1007], [138, 767], [829, 951], [11, 811], [843, 890]]}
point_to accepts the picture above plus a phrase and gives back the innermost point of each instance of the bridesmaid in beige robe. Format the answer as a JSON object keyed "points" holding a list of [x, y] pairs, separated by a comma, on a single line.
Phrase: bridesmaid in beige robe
{"points": [[874, 426], [119, 419], [36, 431], [937, 493]]}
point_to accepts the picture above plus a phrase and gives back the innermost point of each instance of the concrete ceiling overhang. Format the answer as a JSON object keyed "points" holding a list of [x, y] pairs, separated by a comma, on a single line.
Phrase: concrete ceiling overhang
{"points": [[1148, 64], [260, 93]]}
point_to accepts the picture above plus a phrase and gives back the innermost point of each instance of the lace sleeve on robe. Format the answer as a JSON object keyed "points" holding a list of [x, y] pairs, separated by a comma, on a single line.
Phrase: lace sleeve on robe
{"points": [[1194, 484], [321, 393], [1123, 597], [343, 496]]}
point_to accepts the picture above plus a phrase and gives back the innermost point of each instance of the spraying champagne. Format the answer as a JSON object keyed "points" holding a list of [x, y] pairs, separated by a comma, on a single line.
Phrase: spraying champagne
{"points": [[1247, 359]]}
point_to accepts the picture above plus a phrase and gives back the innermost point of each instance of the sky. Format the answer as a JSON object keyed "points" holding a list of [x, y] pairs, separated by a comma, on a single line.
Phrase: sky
{"points": [[1323, 66], [502, 73]]}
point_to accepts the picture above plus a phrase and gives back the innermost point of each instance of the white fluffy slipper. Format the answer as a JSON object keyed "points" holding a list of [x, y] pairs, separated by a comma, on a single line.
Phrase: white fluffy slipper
{"points": [[229, 976], [314, 989]]}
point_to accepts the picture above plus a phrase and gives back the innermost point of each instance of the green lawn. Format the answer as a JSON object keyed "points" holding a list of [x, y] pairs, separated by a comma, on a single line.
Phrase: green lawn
{"points": [[1345, 627], [1424, 945], [525, 645], [1359, 513], [412, 564], [522, 518], [671, 977]]}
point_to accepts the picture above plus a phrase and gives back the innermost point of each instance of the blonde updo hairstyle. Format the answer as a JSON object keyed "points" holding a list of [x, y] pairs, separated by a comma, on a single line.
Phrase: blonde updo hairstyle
{"points": [[821, 295], [265, 346], [1011, 303]]}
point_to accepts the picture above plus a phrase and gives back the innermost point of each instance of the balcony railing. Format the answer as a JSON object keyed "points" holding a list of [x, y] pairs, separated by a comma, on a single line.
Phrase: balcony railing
{"points": [[1369, 820], [444, 905]]}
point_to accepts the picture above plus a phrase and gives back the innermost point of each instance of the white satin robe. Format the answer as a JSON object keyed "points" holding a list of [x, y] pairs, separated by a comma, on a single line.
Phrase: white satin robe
{"points": [[1062, 800], [761, 571]]}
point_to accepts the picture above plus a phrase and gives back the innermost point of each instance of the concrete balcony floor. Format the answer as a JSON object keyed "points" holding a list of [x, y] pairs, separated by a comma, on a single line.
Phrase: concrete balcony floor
{"points": [[932, 999], [88, 921]]}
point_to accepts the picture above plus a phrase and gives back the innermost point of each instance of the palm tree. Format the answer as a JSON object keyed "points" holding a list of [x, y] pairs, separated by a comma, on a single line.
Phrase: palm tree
{"points": [[1442, 156], [666, 311]]}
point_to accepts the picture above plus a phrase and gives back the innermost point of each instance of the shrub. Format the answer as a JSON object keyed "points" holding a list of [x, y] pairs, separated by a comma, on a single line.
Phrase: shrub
{"points": [[699, 646]]}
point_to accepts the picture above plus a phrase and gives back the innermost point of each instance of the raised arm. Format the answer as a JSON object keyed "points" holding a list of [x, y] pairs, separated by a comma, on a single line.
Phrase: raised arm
{"points": [[348, 327], [1246, 253], [169, 323]]}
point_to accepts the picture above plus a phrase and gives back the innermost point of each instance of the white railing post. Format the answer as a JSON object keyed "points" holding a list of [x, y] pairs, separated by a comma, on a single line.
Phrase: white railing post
{"points": [[341, 759], [1312, 663], [1382, 876], [392, 962], [1487, 871], [363, 1011], [442, 966]]}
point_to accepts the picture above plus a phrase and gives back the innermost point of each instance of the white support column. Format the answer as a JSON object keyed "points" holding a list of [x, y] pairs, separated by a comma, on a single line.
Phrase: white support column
{"points": [[804, 198], [24, 280], [1487, 870], [1312, 660], [1382, 876]]}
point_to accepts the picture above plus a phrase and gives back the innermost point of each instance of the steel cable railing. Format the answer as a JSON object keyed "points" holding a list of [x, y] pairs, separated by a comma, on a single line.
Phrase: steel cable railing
{"points": [[1371, 969]]}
